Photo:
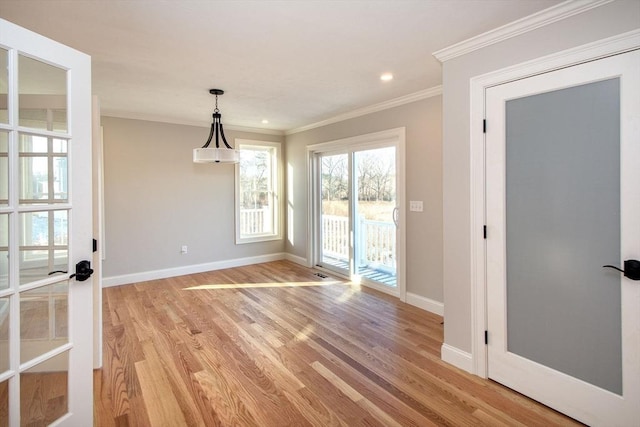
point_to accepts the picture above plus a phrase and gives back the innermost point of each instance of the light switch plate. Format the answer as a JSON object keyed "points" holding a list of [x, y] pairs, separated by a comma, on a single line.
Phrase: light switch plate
{"points": [[415, 205]]}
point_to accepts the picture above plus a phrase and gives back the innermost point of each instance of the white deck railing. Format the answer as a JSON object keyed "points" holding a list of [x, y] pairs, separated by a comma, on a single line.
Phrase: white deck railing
{"points": [[255, 221], [377, 241], [335, 236]]}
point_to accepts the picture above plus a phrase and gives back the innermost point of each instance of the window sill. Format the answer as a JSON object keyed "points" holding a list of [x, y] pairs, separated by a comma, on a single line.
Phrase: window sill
{"points": [[258, 239]]}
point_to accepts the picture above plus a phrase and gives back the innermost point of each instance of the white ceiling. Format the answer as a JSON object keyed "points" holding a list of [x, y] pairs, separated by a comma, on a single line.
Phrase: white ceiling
{"points": [[292, 62]]}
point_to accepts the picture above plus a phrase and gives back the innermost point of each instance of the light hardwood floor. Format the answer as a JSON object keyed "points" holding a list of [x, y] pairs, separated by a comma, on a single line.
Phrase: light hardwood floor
{"points": [[274, 345]]}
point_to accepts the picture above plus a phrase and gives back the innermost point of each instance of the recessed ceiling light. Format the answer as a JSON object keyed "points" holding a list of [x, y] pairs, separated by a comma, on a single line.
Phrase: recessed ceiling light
{"points": [[265, 121], [386, 77]]}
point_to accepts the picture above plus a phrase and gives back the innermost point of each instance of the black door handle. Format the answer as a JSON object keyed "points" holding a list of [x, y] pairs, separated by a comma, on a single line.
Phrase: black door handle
{"points": [[83, 271], [631, 269]]}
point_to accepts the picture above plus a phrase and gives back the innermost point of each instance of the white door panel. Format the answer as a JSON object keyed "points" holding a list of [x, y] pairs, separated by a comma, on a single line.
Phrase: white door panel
{"points": [[562, 200], [45, 229]]}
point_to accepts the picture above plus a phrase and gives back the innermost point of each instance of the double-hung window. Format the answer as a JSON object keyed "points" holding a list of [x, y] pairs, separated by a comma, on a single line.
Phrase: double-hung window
{"points": [[258, 188]]}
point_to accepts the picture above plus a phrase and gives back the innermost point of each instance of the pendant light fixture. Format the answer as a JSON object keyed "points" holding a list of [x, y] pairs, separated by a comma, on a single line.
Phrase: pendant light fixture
{"points": [[217, 154]]}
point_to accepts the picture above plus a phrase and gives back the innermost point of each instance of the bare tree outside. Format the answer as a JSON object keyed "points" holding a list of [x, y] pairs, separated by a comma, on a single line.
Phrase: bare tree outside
{"points": [[335, 178], [376, 175], [255, 190], [375, 179], [254, 178]]}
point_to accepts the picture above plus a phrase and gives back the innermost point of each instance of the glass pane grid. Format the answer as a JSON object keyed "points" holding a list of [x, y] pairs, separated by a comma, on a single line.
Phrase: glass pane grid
{"points": [[34, 214]]}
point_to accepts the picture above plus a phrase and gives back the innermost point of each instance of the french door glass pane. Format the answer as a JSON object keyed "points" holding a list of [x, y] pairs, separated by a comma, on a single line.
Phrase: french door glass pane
{"points": [[42, 90], [375, 231], [44, 391], [43, 244], [4, 251], [334, 172], [4, 403], [563, 225], [33, 144], [43, 170], [4, 168], [43, 320], [4, 334], [4, 86]]}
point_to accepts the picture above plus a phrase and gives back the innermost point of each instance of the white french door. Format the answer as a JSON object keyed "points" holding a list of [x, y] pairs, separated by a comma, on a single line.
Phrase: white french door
{"points": [[46, 314], [563, 200], [357, 191]]}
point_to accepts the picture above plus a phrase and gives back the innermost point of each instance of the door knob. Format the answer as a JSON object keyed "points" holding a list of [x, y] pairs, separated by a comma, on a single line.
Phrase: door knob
{"points": [[83, 271], [631, 269]]}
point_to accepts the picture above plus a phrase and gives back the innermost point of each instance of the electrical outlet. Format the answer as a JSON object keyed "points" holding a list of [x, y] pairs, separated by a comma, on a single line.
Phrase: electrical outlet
{"points": [[415, 205], [183, 249]]}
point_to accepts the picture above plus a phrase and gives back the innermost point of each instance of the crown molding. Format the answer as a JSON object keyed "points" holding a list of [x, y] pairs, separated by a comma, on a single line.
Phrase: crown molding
{"points": [[254, 130], [396, 102], [174, 121], [539, 19]]}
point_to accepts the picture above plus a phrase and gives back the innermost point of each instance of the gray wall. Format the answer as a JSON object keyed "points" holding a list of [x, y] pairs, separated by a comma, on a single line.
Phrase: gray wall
{"points": [[157, 199], [605, 21], [423, 123]]}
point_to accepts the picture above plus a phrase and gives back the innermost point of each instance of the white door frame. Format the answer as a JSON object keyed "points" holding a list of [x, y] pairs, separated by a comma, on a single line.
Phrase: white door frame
{"points": [[98, 228], [478, 85], [371, 140]]}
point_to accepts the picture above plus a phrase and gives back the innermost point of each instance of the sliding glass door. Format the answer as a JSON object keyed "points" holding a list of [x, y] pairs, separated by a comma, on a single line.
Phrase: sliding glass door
{"points": [[355, 216], [374, 225]]}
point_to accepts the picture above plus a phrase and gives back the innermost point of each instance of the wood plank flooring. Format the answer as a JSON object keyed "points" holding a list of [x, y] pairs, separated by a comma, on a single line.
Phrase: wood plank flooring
{"points": [[274, 345]]}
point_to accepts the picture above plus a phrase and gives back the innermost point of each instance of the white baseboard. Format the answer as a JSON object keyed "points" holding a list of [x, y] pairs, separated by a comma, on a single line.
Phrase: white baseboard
{"points": [[297, 259], [456, 357], [432, 306], [188, 269]]}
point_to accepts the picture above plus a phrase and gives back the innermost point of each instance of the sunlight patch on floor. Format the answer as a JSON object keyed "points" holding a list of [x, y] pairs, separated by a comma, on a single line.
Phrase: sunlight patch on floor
{"points": [[348, 293], [264, 285], [304, 334]]}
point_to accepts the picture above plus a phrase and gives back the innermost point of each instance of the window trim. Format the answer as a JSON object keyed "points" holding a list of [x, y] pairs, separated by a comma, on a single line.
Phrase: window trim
{"points": [[277, 189]]}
